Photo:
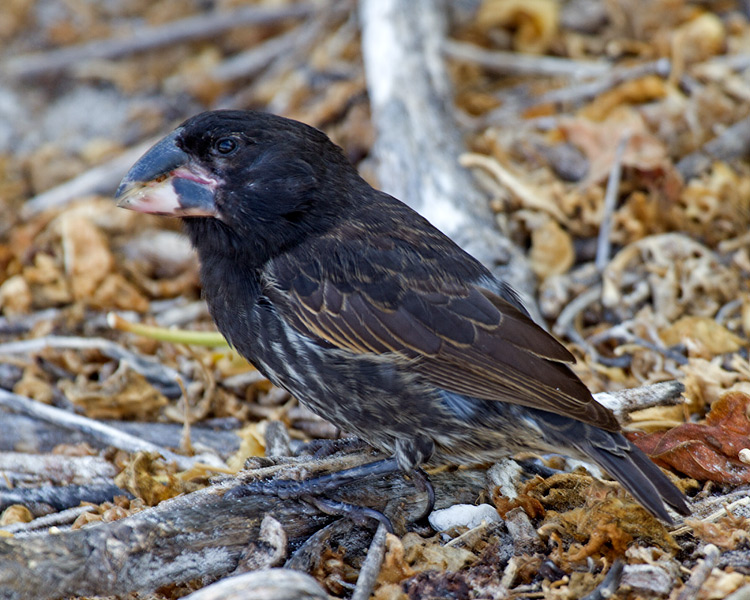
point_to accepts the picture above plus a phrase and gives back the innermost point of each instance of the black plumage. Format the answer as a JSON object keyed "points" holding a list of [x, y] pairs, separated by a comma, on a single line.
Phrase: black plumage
{"points": [[365, 312]]}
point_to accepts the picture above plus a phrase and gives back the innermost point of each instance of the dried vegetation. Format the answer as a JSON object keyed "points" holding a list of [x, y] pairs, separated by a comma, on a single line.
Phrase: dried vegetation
{"points": [[611, 139]]}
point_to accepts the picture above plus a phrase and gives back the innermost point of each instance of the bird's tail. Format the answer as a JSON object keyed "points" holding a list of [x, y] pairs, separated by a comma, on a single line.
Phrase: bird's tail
{"points": [[623, 461], [635, 471]]}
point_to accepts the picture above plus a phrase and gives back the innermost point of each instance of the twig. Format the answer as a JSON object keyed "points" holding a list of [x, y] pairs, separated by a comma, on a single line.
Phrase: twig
{"points": [[623, 334], [212, 339], [100, 179], [58, 469], [610, 583], [250, 62], [158, 374], [623, 402], [149, 38], [565, 324], [610, 200], [291, 60], [23, 323], [733, 142], [572, 94], [735, 62], [104, 433], [40, 499], [726, 509], [59, 518], [514, 63], [370, 570], [700, 573], [179, 313]]}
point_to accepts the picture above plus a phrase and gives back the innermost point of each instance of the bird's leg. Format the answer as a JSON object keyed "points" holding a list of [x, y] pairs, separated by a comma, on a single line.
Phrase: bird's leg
{"points": [[286, 489], [311, 489]]}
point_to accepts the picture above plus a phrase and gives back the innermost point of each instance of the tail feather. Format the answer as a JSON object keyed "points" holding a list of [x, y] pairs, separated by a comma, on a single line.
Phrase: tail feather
{"points": [[636, 473], [625, 462]]}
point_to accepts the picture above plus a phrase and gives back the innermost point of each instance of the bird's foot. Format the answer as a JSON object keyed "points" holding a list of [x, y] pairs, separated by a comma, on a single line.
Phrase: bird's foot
{"points": [[358, 514], [425, 485], [311, 490]]}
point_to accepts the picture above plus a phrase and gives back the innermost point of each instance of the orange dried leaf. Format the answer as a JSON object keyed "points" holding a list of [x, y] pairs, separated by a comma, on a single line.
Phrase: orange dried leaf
{"points": [[715, 338], [706, 451]]}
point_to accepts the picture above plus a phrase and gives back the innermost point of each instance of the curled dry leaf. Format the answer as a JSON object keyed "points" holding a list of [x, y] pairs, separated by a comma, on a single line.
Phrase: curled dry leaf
{"points": [[682, 275], [552, 251], [728, 533], [15, 296], [715, 206], [695, 41], [16, 513], [124, 395], [705, 336], [428, 554], [596, 139], [705, 381], [147, 477], [535, 22], [87, 257], [91, 267], [706, 451]]}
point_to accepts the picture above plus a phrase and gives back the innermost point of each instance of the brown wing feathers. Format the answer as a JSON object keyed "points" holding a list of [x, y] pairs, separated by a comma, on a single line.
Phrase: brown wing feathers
{"points": [[469, 341]]}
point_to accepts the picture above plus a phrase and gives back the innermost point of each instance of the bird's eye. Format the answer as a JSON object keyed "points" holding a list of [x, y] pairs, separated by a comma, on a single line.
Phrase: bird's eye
{"points": [[225, 145]]}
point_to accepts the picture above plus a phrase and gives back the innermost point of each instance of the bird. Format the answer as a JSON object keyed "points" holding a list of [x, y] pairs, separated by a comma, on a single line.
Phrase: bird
{"points": [[365, 312]]}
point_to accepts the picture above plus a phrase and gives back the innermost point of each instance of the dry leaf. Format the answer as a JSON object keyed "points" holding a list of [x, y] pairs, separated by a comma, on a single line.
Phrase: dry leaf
{"points": [[15, 296], [534, 22], [88, 259], [147, 477], [598, 141], [706, 451], [712, 337], [126, 394], [16, 513], [552, 251]]}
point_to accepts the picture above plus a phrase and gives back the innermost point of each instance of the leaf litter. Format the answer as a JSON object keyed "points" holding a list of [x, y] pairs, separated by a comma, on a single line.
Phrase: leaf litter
{"points": [[673, 299]]}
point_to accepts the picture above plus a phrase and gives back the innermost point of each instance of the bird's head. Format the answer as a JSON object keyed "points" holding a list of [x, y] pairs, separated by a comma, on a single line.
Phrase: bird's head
{"points": [[253, 177]]}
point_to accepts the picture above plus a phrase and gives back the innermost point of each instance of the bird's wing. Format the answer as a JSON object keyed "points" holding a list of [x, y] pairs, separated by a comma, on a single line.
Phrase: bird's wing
{"points": [[464, 339]]}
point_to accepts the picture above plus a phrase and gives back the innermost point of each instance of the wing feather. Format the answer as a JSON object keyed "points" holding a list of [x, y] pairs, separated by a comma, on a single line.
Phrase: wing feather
{"points": [[462, 338]]}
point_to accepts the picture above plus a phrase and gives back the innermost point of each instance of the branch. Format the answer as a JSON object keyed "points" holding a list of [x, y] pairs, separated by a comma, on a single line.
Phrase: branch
{"points": [[149, 38], [199, 535]]}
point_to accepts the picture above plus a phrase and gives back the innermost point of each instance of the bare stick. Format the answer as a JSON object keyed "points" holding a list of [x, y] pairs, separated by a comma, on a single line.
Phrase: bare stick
{"points": [[95, 429], [733, 142], [157, 373], [370, 570], [700, 573], [62, 517], [610, 200], [576, 93], [149, 38], [98, 180], [515, 63], [623, 402]]}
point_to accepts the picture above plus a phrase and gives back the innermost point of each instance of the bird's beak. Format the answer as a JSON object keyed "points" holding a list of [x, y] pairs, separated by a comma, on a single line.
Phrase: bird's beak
{"points": [[165, 181]]}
